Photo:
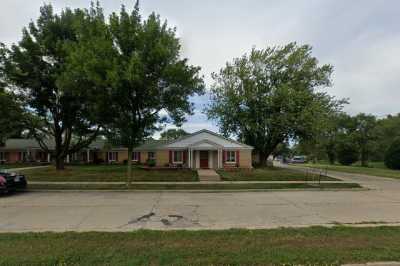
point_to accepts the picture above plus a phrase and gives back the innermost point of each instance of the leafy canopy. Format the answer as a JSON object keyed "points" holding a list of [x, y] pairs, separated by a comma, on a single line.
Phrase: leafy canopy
{"points": [[270, 96], [173, 133], [35, 69]]}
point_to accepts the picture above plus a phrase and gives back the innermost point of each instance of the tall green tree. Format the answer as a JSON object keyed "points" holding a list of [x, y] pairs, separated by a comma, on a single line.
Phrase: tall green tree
{"points": [[270, 96], [173, 133], [387, 129], [34, 68], [140, 64], [11, 116], [365, 135]]}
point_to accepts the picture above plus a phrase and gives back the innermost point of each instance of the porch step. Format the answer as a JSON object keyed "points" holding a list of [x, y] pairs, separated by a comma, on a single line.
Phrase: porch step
{"points": [[208, 175]]}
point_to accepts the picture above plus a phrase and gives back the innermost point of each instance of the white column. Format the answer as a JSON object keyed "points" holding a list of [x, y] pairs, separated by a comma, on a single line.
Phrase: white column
{"points": [[210, 159], [218, 158], [88, 156], [48, 157], [190, 157], [68, 158]]}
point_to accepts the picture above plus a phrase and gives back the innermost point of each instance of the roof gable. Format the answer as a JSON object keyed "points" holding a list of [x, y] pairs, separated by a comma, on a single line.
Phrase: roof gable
{"points": [[211, 138]]}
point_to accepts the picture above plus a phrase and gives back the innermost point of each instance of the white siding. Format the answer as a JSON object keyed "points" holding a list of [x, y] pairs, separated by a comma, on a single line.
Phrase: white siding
{"points": [[204, 136]]}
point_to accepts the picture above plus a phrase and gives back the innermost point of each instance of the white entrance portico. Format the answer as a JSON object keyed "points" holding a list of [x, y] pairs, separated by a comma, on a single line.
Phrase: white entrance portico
{"points": [[205, 149]]}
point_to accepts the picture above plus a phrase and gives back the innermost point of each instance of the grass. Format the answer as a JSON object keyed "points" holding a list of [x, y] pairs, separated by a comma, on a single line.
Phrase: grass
{"points": [[289, 246], [195, 186], [106, 173], [271, 174], [374, 169]]}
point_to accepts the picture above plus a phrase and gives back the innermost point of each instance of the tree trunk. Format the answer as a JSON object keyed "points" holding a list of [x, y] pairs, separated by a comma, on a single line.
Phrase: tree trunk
{"points": [[263, 158], [59, 163], [129, 172], [364, 158]]}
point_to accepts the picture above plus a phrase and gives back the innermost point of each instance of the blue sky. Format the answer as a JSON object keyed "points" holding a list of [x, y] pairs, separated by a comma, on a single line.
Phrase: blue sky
{"points": [[360, 38]]}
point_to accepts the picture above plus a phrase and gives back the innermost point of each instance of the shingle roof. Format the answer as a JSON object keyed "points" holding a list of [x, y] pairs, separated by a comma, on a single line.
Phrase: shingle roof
{"points": [[22, 144], [152, 145]]}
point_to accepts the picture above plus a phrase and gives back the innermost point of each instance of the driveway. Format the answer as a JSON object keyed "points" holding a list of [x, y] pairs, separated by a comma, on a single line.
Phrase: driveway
{"points": [[124, 211]]}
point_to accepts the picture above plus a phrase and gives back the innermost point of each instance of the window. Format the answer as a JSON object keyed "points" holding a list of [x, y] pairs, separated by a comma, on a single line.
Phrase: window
{"points": [[178, 156], [230, 157], [112, 156], [135, 156], [2, 156], [151, 155]]}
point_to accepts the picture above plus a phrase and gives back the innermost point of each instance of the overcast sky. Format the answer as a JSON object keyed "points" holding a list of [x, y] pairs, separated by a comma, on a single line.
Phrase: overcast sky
{"points": [[360, 38]]}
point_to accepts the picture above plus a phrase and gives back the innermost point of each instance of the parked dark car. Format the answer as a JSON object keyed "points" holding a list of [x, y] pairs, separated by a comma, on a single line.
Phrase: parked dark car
{"points": [[10, 182]]}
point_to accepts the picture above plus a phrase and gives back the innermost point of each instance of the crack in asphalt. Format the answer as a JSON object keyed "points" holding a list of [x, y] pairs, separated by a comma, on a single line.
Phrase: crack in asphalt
{"points": [[145, 217]]}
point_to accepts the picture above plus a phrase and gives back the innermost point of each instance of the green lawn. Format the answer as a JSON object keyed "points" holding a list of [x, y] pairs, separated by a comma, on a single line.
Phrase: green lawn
{"points": [[195, 186], [374, 168], [305, 246], [104, 173], [271, 174]]}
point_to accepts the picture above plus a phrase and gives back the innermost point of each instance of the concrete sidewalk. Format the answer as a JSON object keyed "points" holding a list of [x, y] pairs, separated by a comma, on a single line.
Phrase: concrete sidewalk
{"points": [[367, 181], [208, 175], [25, 168], [183, 182]]}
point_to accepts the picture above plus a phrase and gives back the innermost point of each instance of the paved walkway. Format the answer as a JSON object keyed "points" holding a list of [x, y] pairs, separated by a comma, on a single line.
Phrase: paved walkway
{"points": [[180, 182], [367, 181], [25, 168], [208, 175]]}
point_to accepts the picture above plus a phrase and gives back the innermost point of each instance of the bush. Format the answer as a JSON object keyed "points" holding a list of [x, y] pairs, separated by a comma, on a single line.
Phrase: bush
{"points": [[151, 162], [347, 153], [98, 161], [392, 155]]}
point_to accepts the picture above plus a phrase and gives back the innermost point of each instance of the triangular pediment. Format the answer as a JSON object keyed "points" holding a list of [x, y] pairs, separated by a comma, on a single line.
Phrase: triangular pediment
{"points": [[205, 138]]}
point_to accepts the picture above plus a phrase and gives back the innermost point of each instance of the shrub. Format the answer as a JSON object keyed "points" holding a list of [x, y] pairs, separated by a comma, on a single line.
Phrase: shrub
{"points": [[151, 162], [392, 155], [98, 161], [347, 153]]}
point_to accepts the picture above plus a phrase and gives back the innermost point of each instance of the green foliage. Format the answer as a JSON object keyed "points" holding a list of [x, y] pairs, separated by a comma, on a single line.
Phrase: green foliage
{"points": [[137, 63], [347, 153], [365, 135], [151, 162], [387, 130], [392, 155], [35, 68], [173, 133], [270, 96], [11, 116]]}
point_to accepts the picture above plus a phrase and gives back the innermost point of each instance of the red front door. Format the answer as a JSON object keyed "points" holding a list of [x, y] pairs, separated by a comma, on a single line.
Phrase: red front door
{"points": [[203, 159]]}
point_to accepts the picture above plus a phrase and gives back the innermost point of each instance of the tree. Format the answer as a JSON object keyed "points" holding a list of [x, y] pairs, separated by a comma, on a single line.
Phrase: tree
{"points": [[365, 135], [139, 62], [270, 96], [173, 133], [35, 69], [387, 130], [392, 155], [347, 153], [11, 116]]}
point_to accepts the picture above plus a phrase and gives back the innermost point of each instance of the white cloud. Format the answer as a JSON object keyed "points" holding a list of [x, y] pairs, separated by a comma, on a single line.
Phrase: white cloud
{"points": [[361, 38]]}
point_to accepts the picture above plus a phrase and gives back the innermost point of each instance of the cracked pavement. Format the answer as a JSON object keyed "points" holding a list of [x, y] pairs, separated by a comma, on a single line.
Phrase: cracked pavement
{"points": [[125, 211]]}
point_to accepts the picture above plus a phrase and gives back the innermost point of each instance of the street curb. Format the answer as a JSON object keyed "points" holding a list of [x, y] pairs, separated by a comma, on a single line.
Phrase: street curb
{"points": [[199, 190]]}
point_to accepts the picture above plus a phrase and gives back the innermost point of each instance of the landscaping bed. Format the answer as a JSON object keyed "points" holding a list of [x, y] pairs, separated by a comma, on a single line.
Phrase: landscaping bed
{"points": [[105, 173], [272, 174], [194, 186], [285, 246]]}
